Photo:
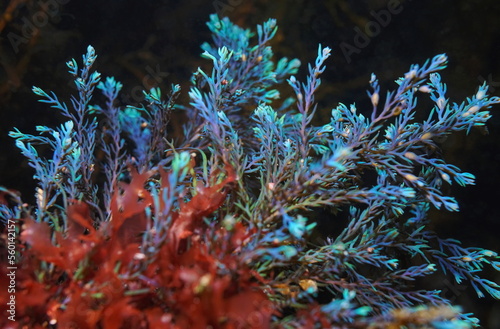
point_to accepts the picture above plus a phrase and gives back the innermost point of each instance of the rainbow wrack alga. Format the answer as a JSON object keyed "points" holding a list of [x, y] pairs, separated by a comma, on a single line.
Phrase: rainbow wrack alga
{"points": [[133, 229]]}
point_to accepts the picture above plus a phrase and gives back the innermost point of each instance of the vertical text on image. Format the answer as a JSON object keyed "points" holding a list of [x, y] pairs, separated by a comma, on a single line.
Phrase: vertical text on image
{"points": [[11, 269]]}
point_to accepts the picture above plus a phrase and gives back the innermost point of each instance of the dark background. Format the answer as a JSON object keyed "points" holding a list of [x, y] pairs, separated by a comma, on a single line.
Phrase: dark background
{"points": [[146, 44]]}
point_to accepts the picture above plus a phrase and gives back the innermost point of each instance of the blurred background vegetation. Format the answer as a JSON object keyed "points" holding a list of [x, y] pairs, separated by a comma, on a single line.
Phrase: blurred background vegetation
{"points": [[152, 43]]}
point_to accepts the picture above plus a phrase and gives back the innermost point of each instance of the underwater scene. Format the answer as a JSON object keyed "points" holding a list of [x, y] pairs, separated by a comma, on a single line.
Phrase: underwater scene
{"points": [[249, 164]]}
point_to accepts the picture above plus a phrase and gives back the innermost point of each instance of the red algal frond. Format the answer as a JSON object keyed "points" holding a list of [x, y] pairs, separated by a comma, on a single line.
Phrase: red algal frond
{"points": [[128, 219], [252, 309], [79, 221], [68, 250], [204, 203], [95, 284], [77, 310], [121, 314], [211, 279], [203, 290], [157, 318], [38, 237]]}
